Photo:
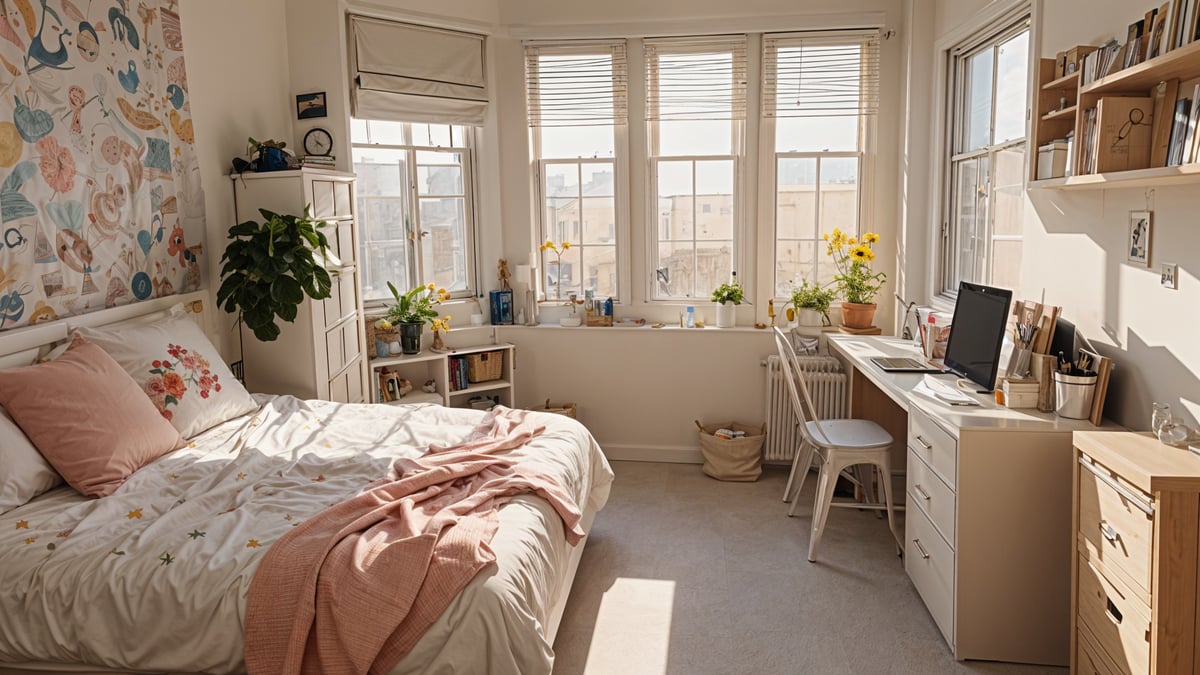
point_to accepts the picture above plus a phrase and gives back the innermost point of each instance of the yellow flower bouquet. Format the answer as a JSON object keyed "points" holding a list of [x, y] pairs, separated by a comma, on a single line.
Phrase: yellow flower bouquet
{"points": [[852, 258], [558, 250]]}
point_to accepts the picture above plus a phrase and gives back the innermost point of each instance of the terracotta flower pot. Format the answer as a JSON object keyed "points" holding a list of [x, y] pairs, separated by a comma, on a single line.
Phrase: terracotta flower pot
{"points": [[855, 315]]}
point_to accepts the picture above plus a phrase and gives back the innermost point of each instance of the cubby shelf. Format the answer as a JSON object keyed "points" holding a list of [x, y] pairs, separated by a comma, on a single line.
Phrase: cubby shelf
{"points": [[431, 365]]}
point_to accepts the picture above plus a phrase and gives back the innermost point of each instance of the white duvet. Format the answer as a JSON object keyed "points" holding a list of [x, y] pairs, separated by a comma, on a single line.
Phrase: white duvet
{"points": [[154, 577]]}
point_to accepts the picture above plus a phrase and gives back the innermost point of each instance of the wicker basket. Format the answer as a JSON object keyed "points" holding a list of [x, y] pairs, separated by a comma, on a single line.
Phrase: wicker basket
{"points": [[485, 366], [389, 336], [567, 409]]}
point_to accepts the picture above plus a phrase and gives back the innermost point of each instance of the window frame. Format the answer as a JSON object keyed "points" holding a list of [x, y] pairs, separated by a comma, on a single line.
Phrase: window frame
{"points": [[990, 36], [412, 229]]}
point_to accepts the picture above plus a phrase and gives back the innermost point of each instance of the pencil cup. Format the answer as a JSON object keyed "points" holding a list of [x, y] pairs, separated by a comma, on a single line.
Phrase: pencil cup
{"points": [[1074, 395], [1018, 363]]}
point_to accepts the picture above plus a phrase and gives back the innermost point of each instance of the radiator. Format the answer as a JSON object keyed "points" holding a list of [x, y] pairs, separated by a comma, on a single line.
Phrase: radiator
{"points": [[827, 386]]}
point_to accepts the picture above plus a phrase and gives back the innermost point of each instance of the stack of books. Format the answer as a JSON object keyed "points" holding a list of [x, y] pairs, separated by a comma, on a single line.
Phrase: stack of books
{"points": [[317, 161], [458, 373]]}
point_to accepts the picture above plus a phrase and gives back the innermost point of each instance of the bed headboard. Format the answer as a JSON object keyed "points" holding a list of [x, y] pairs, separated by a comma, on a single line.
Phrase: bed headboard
{"points": [[29, 337]]}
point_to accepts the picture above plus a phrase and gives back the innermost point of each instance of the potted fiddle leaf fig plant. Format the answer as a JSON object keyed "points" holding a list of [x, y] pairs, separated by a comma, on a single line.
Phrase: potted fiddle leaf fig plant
{"points": [[728, 297], [269, 267]]}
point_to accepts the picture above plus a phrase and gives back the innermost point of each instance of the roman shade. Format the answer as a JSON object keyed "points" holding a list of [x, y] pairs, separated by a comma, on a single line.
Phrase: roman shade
{"points": [[583, 84], [695, 78], [411, 73], [821, 74]]}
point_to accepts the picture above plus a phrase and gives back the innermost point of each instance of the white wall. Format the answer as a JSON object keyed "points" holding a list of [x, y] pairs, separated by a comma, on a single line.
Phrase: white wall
{"points": [[237, 78], [1076, 246]]}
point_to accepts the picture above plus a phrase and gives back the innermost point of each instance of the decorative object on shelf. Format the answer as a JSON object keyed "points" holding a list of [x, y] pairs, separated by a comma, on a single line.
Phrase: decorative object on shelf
{"points": [[1170, 276], [810, 304], [430, 387], [310, 106], [412, 310], [854, 280], [728, 297], [318, 142], [268, 155], [573, 319], [1139, 237], [501, 300], [440, 326], [259, 293], [559, 250]]}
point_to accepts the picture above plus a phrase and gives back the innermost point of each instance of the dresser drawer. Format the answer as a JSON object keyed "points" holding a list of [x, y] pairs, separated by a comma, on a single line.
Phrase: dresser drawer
{"points": [[929, 561], [931, 495], [932, 444], [341, 346], [343, 299], [1114, 526], [1119, 621], [1089, 658]]}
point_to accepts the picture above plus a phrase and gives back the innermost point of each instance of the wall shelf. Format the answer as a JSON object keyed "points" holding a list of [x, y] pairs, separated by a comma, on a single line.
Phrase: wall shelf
{"points": [[1064, 83], [1157, 177], [1065, 113], [431, 365], [1182, 63]]}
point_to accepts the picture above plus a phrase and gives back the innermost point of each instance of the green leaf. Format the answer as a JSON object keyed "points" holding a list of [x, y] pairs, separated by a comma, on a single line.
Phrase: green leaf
{"points": [[286, 291], [287, 312], [266, 332]]}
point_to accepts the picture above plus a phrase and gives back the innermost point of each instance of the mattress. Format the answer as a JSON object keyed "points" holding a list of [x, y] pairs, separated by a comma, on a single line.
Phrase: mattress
{"points": [[154, 578]]}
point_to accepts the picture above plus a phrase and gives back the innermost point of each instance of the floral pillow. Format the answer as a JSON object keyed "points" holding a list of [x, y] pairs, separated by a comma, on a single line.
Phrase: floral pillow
{"points": [[179, 370]]}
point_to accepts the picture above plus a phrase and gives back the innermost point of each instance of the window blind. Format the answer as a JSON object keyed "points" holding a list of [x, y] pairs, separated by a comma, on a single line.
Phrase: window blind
{"points": [[410, 73], [695, 79], [584, 85], [827, 74]]}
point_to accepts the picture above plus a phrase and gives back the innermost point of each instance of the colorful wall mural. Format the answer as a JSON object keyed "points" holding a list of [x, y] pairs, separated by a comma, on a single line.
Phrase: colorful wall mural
{"points": [[100, 196]]}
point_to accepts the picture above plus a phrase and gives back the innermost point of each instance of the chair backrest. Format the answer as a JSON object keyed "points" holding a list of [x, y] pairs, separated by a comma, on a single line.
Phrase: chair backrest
{"points": [[797, 389]]}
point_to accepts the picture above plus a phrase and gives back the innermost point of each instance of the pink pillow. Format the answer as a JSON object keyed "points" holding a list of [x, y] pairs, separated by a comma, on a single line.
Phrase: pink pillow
{"points": [[87, 417]]}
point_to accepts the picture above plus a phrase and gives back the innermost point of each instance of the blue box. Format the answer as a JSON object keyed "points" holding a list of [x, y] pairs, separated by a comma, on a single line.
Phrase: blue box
{"points": [[502, 307]]}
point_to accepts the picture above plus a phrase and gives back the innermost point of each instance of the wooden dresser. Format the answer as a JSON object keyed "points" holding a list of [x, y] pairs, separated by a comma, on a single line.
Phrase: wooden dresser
{"points": [[1137, 539], [322, 353]]}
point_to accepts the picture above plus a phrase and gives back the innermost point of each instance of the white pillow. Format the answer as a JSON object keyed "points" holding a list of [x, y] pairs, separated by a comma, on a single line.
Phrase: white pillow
{"points": [[24, 473], [178, 368]]}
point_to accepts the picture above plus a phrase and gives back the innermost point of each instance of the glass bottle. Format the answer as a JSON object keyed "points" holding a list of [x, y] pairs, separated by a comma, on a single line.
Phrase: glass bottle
{"points": [[1160, 417]]}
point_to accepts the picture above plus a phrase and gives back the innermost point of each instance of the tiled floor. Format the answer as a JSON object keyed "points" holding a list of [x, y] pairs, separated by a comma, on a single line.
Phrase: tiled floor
{"points": [[684, 574]]}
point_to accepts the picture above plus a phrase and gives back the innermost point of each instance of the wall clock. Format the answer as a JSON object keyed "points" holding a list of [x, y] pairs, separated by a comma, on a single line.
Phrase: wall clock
{"points": [[318, 142]]}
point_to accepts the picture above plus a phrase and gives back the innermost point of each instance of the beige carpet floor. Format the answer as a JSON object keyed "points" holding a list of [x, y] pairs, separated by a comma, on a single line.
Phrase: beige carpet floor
{"points": [[684, 574]]}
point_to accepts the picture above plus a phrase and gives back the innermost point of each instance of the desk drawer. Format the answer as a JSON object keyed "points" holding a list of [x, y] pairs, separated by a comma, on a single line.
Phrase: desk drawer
{"points": [[929, 561], [1089, 658], [931, 495], [932, 444], [1119, 621], [1113, 526]]}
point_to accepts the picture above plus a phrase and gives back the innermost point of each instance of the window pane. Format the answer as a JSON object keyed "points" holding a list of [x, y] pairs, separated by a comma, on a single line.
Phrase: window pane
{"points": [[383, 217], [795, 205], [816, 134], [695, 137], [598, 179], [979, 100], [562, 219], [384, 262], [575, 142], [431, 134], [380, 172], [562, 180], [714, 199], [794, 263], [1012, 92], [839, 194], [600, 270], [566, 271], [1006, 265], [358, 131], [971, 218], [675, 203], [387, 133], [443, 231], [599, 220], [675, 266], [714, 265], [1009, 209], [439, 180]]}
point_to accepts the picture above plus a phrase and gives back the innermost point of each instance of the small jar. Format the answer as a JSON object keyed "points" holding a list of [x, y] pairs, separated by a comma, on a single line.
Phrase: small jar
{"points": [[395, 348]]}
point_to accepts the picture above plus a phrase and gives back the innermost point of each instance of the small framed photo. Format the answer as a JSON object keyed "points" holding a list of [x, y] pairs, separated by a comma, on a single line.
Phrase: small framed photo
{"points": [[1139, 237], [310, 106], [1170, 275]]}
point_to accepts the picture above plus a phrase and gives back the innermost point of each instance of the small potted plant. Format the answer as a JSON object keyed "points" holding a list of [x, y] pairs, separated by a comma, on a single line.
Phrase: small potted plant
{"points": [[854, 280], [810, 304], [728, 297], [269, 267], [268, 155], [412, 310]]}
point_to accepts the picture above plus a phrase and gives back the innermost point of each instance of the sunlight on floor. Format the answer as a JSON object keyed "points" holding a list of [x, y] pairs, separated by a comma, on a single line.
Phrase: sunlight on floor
{"points": [[633, 628]]}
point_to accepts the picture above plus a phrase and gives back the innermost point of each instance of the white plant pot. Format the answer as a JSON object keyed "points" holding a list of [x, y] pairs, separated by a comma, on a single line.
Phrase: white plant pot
{"points": [[809, 318], [726, 315], [571, 320]]}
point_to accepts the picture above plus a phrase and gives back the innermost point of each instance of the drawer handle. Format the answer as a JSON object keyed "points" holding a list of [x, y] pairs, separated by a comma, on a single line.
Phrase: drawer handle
{"points": [[1108, 532], [1110, 610], [921, 491], [923, 442], [1111, 482], [921, 549]]}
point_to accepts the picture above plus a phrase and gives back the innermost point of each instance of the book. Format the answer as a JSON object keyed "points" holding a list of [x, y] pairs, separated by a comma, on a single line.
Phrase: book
{"points": [[1183, 109], [1164, 100], [1189, 137], [1159, 31], [1123, 130]]}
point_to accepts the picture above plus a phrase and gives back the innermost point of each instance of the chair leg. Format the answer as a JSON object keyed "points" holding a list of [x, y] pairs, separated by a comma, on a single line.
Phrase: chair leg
{"points": [[825, 487], [801, 464], [885, 468]]}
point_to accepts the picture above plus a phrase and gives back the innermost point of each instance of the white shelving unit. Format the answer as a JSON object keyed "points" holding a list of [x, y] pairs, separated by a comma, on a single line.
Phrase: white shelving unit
{"points": [[430, 365]]}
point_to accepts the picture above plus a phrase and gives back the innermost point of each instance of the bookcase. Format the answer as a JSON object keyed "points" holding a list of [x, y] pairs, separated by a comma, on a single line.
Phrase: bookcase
{"points": [[1158, 78], [443, 368]]}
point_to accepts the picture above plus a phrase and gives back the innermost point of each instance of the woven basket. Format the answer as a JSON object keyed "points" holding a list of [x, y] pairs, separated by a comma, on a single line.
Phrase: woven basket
{"points": [[735, 459], [567, 409], [389, 336], [485, 366]]}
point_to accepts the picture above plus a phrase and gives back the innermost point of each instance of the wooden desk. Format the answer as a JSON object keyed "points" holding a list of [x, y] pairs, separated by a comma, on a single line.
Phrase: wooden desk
{"points": [[988, 545]]}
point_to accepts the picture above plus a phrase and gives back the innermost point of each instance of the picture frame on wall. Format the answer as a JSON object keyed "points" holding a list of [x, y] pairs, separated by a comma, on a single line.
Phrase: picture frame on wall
{"points": [[311, 106], [1139, 237]]}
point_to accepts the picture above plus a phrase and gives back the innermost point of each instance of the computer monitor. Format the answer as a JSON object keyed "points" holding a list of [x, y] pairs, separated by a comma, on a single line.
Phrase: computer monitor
{"points": [[980, 318]]}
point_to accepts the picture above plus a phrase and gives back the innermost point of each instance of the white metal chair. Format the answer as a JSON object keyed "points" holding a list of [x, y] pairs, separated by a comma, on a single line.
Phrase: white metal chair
{"points": [[840, 444]]}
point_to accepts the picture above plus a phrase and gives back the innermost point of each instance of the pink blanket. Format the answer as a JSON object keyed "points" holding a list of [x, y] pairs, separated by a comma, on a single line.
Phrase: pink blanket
{"points": [[354, 588]]}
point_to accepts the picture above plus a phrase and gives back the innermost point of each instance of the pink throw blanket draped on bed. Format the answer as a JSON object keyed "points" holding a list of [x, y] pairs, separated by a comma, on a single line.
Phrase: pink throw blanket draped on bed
{"points": [[354, 588]]}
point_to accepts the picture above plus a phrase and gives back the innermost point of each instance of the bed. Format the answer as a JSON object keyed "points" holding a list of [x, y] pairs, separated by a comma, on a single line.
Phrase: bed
{"points": [[154, 577]]}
